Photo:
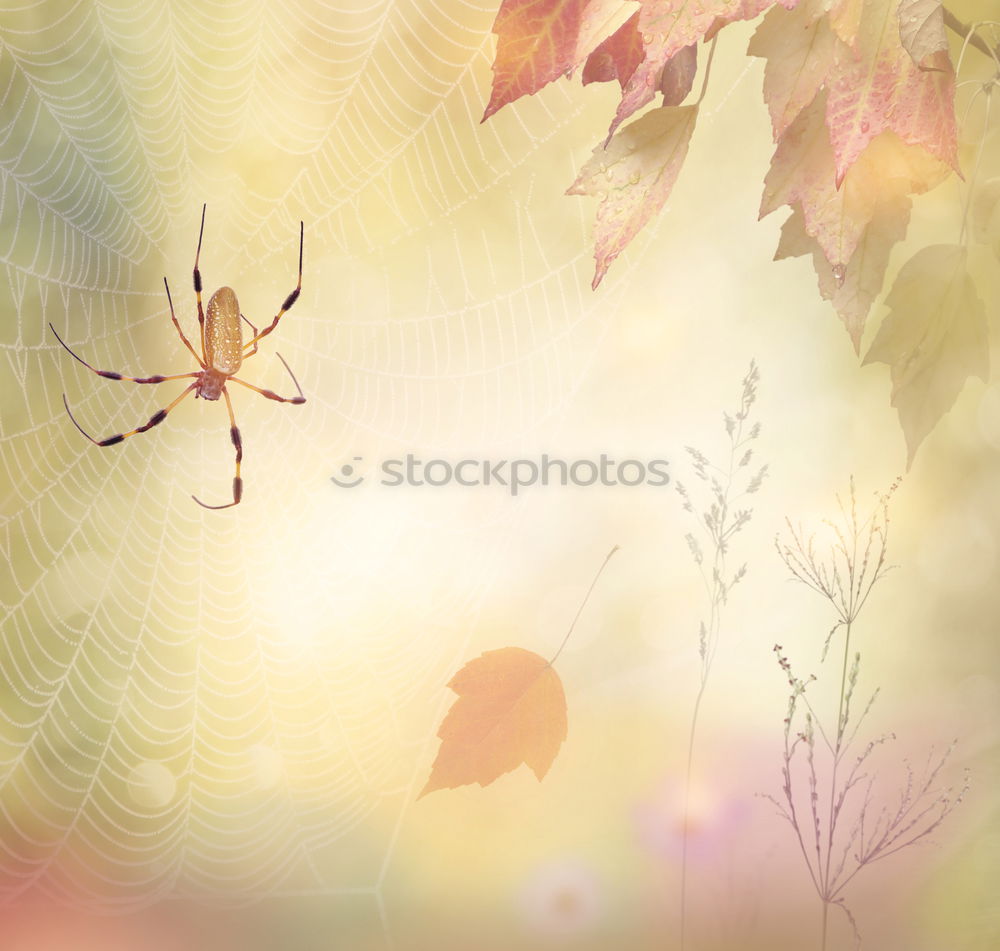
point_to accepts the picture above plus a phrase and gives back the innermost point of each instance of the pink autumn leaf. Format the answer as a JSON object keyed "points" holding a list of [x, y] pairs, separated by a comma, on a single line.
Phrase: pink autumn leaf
{"points": [[667, 26], [802, 174], [678, 75], [738, 10], [879, 88]]}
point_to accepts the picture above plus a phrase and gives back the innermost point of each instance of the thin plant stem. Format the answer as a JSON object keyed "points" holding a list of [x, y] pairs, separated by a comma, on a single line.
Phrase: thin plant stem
{"points": [[687, 808], [583, 604], [722, 522], [852, 823], [968, 33], [837, 751], [970, 185], [718, 571]]}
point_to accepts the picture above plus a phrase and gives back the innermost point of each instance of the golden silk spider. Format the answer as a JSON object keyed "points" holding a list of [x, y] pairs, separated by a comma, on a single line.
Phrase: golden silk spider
{"points": [[223, 352]]}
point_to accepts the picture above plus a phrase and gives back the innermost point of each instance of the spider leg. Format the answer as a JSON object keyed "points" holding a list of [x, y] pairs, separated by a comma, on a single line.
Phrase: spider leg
{"points": [[254, 329], [234, 432], [111, 375], [289, 300], [173, 317], [298, 400], [197, 284], [154, 420]]}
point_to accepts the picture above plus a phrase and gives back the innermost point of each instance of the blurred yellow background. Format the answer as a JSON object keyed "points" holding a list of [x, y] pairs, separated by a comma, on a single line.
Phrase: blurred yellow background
{"points": [[207, 709]]}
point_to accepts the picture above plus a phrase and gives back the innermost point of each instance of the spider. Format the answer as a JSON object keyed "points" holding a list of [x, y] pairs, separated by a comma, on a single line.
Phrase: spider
{"points": [[223, 352]]}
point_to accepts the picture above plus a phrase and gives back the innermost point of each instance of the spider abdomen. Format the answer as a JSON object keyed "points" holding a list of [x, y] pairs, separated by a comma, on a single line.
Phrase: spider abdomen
{"points": [[223, 333]]}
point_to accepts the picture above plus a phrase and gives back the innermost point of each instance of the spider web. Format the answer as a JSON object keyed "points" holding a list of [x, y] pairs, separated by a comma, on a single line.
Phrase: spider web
{"points": [[195, 700]]}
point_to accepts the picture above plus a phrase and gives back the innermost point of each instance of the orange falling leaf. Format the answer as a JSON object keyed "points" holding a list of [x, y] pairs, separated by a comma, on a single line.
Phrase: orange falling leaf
{"points": [[511, 709]]}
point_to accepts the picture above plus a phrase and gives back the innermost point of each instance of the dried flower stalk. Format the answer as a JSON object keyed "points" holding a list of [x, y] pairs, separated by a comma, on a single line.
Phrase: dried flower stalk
{"points": [[841, 828]]}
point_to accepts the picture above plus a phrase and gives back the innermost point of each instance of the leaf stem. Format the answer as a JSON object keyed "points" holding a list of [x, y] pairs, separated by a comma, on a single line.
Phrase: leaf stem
{"points": [[583, 604], [971, 184], [708, 69], [957, 26]]}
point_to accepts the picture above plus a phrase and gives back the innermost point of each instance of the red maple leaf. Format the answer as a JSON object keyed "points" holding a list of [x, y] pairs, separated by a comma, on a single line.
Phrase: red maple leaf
{"points": [[617, 57], [540, 40]]}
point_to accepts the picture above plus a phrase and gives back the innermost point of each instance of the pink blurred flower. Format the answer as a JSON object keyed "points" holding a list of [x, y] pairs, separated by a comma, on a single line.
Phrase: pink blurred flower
{"points": [[715, 818], [562, 897]]}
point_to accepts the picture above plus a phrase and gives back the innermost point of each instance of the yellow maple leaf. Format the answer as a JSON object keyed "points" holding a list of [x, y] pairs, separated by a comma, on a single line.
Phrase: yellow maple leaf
{"points": [[800, 48], [854, 287], [934, 338], [633, 177]]}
